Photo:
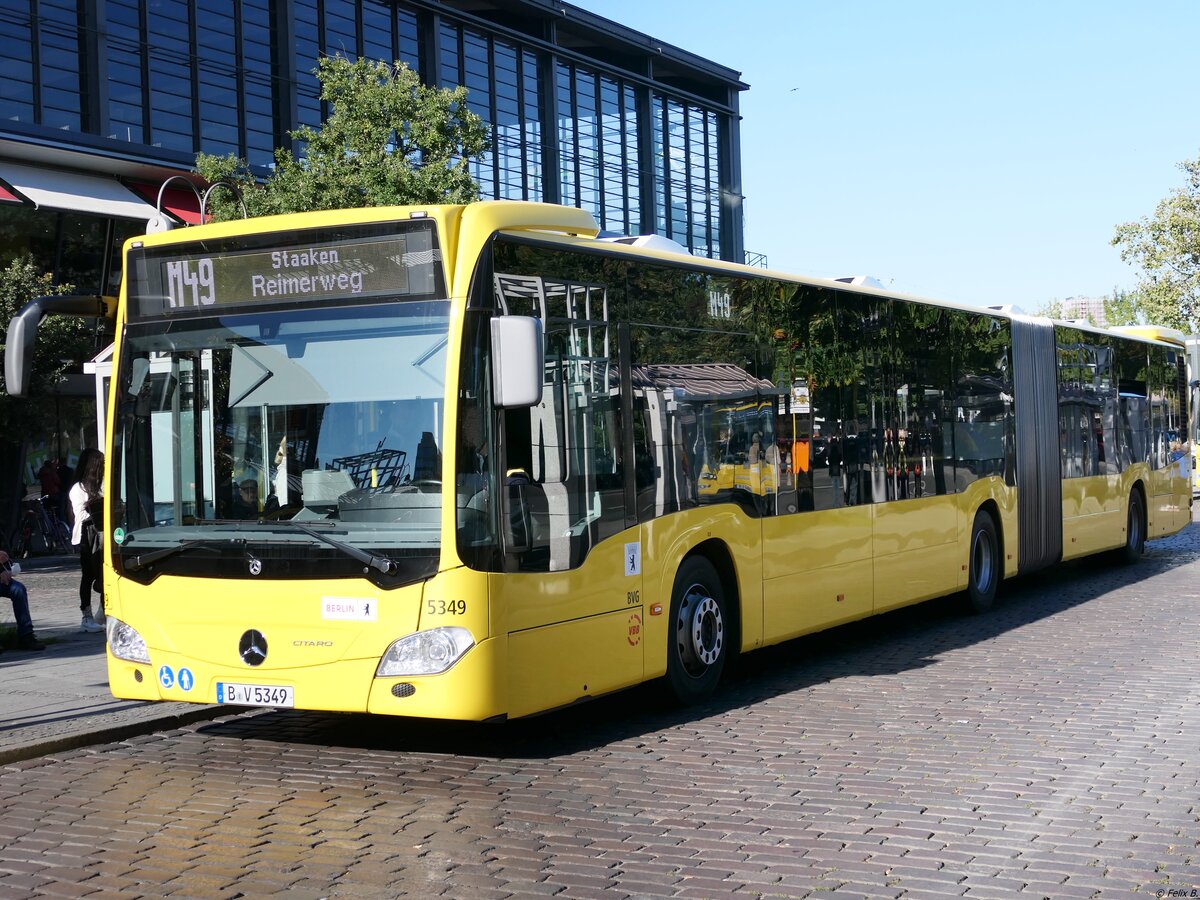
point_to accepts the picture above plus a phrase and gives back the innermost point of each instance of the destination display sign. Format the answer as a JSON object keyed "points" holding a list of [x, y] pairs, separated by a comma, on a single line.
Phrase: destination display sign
{"points": [[167, 282]]}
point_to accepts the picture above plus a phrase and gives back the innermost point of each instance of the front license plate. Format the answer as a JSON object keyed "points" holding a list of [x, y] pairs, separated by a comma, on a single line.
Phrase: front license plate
{"points": [[255, 694]]}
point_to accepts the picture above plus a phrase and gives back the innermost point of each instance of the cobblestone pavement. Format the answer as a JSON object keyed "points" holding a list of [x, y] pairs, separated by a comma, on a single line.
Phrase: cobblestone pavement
{"points": [[59, 698], [1049, 749]]}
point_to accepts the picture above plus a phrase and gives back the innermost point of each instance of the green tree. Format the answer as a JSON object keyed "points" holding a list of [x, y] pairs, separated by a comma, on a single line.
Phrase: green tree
{"points": [[388, 140], [1123, 307], [63, 342], [1052, 310], [1127, 308], [1166, 248]]}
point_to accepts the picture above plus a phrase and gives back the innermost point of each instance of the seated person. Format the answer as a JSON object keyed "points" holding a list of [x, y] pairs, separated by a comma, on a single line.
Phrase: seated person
{"points": [[245, 504], [15, 591]]}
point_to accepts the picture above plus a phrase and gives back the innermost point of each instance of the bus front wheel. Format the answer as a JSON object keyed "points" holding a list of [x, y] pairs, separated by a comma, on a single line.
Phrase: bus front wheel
{"points": [[699, 635], [983, 573]]}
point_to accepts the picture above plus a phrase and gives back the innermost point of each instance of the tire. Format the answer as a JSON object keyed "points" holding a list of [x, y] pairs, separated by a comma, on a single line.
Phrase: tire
{"points": [[1135, 530], [983, 568], [698, 640]]}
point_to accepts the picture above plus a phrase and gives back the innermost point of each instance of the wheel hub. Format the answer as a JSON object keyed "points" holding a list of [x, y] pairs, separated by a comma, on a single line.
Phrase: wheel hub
{"points": [[700, 629]]}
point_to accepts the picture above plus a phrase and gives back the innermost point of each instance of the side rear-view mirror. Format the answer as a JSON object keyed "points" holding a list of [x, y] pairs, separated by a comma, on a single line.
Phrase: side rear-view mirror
{"points": [[517, 361], [23, 328]]}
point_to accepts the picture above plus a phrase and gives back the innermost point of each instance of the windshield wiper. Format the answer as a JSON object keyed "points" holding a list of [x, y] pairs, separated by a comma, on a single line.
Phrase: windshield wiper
{"points": [[384, 564], [133, 563]]}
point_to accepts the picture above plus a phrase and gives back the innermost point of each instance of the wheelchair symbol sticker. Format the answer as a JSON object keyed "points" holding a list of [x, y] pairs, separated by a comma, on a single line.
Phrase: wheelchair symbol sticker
{"points": [[166, 677], [186, 680]]}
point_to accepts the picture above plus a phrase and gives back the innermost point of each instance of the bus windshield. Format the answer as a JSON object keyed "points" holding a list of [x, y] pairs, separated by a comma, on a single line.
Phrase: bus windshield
{"points": [[279, 440]]}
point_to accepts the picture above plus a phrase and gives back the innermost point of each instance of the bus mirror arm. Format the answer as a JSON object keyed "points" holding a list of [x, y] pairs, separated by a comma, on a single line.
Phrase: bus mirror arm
{"points": [[22, 332], [517, 361]]}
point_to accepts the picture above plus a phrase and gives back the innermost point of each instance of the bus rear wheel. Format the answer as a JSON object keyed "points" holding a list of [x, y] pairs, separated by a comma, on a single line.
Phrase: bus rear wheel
{"points": [[1135, 530], [699, 634], [983, 572]]}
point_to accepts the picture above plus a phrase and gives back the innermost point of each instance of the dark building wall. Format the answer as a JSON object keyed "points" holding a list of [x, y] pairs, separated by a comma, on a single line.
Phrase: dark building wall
{"points": [[583, 111]]}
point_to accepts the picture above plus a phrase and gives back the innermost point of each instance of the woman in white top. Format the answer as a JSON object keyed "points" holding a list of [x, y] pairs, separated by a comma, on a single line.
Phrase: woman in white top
{"points": [[86, 498]]}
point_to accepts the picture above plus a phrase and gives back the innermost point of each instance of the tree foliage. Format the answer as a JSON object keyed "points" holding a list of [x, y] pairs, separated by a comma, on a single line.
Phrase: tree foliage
{"points": [[388, 140], [1128, 308], [1166, 248], [1121, 307], [63, 342]]}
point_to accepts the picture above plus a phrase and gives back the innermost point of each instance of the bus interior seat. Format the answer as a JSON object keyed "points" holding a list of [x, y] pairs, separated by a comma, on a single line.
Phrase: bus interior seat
{"points": [[528, 515]]}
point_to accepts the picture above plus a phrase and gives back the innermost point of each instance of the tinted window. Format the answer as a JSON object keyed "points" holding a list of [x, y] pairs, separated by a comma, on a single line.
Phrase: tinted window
{"points": [[921, 351], [982, 397]]}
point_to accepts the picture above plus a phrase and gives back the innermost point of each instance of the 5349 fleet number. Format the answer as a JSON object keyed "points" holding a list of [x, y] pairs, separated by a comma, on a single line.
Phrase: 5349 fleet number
{"points": [[446, 607]]}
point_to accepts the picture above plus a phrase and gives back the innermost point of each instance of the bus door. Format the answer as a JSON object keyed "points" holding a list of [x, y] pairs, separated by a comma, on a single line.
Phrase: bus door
{"points": [[571, 594]]}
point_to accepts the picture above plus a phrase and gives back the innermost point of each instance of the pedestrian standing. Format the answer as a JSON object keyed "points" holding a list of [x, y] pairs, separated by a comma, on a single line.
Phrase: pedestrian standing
{"points": [[87, 507], [66, 477], [51, 486]]}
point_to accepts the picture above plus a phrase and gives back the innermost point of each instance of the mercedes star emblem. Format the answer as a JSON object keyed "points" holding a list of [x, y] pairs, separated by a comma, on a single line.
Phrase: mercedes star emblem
{"points": [[255, 566], [253, 648]]}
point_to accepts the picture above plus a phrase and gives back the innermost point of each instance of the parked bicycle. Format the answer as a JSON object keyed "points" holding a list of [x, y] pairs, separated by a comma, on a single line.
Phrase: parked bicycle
{"points": [[39, 529], [21, 541], [59, 529]]}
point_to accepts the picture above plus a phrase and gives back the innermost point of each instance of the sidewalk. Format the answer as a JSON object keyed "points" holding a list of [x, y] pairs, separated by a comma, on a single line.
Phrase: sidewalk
{"points": [[58, 698]]}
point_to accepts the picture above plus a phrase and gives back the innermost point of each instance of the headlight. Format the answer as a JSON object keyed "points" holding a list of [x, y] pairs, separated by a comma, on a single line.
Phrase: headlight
{"points": [[426, 652], [126, 643]]}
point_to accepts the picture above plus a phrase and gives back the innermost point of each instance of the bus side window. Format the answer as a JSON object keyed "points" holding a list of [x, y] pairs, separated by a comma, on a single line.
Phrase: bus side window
{"points": [[564, 487]]}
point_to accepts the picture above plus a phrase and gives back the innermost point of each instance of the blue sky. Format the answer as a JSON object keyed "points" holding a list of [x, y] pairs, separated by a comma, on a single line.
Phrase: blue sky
{"points": [[976, 153]]}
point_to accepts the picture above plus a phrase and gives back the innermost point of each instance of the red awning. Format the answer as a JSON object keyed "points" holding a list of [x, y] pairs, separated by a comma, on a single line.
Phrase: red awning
{"points": [[95, 194], [178, 202], [8, 195]]}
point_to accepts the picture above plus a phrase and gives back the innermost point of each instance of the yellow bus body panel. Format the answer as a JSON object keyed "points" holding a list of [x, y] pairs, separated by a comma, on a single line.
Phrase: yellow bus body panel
{"points": [[1093, 514], [1169, 501], [816, 570], [556, 665], [574, 633], [917, 549]]}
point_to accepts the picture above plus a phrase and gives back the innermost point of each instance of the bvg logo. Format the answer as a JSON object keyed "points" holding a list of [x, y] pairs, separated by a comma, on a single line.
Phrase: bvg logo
{"points": [[635, 630]]}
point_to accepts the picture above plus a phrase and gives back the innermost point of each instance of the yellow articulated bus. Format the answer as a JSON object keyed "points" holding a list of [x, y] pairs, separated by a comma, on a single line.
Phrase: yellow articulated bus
{"points": [[451, 461]]}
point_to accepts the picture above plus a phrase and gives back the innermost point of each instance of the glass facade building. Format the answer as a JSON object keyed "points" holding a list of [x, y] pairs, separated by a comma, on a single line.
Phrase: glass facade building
{"points": [[101, 101], [582, 111]]}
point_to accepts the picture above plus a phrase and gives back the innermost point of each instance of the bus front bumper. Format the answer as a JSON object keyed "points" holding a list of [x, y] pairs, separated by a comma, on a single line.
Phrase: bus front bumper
{"points": [[469, 691]]}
